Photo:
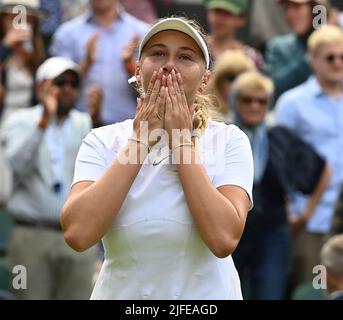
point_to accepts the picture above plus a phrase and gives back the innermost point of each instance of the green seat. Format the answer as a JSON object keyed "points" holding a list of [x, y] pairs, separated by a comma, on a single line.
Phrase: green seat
{"points": [[305, 291]]}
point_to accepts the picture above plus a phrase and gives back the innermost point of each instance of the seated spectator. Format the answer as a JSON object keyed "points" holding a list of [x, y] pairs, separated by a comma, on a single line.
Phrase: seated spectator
{"points": [[21, 52], [228, 66], [286, 59], [225, 18], [282, 162], [41, 144], [314, 112], [332, 259], [97, 41]]}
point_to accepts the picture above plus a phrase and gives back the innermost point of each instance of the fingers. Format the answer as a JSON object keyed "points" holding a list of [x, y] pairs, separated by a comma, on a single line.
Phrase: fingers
{"points": [[139, 105], [172, 92], [156, 89], [168, 104], [135, 41], [176, 87], [152, 106], [182, 89], [192, 109], [160, 104], [93, 39], [54, 91], [130, 48], [150, 86], [91, 47]]}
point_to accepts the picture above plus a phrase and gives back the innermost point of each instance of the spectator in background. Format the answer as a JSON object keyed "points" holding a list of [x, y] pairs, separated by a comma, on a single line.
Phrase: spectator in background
{"points": [[52, 20], [332, 259], [41, 144], [229, 65], [286, 60], [21, 52], [266, 21], [314, 111], [225, 18], [282, 162], [143, 9], [96, 41]]}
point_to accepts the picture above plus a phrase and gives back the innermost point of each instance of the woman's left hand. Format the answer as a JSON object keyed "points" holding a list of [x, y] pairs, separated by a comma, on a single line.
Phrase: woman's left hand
{"points": [[178, 115]]}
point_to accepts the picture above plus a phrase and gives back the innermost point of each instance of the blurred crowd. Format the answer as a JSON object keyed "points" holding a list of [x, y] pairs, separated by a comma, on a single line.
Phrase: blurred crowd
{"points": [[64, 69]]}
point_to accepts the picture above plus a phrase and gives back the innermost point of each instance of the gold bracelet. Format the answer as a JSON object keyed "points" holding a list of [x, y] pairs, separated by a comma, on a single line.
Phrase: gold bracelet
{"points": [[141, 142]]}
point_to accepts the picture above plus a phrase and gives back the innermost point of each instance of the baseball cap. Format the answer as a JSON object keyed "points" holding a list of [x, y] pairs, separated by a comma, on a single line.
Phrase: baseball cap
{"points": [[236, 7], [54, 67], [180, 25]]}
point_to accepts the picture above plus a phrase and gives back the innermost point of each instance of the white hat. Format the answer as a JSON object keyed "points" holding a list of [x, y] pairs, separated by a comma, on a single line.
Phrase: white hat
{"points": [[32, 6], [54, 67], [177, 24]]}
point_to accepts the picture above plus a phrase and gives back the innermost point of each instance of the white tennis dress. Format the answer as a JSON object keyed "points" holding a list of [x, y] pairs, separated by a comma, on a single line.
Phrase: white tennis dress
{"points": [[153, 249]]}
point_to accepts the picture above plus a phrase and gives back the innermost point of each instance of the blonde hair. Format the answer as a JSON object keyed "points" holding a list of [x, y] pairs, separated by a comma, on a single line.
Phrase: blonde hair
{"points": [[326, 35], [233, 62], [202, 101], [253, 81], [332, 254]]}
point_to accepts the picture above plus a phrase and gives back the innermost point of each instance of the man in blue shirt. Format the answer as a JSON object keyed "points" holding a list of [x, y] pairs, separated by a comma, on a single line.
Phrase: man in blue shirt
{"points": [[314, 111], [96, 41]]}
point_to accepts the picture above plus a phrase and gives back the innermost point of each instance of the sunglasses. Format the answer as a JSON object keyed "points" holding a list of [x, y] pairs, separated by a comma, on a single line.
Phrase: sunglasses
{"points": [[60, 82], [330, 58], [250, 100], [231, 77]]}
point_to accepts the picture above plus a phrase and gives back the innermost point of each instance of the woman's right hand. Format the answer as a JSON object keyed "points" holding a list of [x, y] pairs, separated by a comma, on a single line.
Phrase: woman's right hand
{"points": [[151, 110], [49, 98]]}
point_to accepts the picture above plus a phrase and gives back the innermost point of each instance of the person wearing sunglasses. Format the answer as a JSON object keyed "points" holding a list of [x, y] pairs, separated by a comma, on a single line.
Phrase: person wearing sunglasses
{"points": [[229, 65], [282, 162], [314, 111], [286, 59], [41, 144]]}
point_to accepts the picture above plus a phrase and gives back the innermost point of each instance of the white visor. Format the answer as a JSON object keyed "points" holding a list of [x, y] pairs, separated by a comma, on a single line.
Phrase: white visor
{"points": [[177, 24]]}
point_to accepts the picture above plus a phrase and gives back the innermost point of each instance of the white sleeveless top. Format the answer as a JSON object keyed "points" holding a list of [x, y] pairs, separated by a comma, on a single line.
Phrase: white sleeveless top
{"points": [[153, 249]]}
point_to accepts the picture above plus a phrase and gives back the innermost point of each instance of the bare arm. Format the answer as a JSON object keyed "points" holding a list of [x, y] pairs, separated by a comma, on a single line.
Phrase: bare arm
{"points": [[316, 195], [219, 214], [92, 206], [91, 54]]}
